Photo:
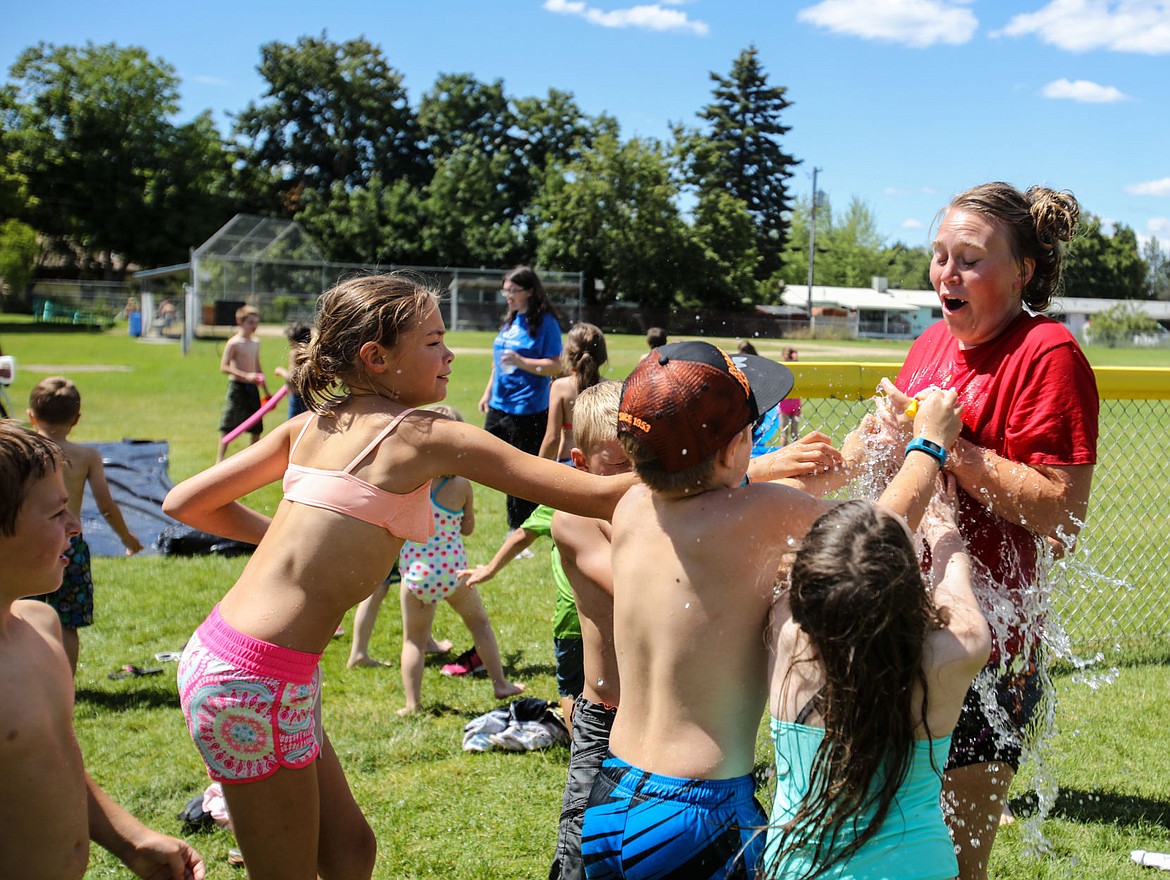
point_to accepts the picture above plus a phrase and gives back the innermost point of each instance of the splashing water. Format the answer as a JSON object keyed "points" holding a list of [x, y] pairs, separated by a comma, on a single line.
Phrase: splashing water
{"points": [[1018, 616]]}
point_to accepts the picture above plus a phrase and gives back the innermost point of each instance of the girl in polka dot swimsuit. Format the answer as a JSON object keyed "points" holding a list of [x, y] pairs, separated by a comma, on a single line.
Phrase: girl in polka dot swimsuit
{"points": [[429, 574]]}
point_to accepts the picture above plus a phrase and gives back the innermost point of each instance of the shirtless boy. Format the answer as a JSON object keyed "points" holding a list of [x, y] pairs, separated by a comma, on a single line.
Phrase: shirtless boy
{"points": [[51, 808], [695, 557], [54, 408], [241, 363]]}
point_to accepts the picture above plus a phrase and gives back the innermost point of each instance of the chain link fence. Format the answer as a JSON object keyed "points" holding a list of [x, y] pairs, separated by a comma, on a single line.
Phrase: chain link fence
{"points": [[1113, 593]]}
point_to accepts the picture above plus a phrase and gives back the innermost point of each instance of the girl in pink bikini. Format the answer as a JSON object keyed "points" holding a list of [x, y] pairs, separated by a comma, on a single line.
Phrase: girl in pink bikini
{"points": [[356, 472]]}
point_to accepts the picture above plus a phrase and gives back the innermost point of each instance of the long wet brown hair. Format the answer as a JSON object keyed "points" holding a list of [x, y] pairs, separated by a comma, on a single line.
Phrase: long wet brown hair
{"points": [[857, 592], [585, 354], [368, 308]]}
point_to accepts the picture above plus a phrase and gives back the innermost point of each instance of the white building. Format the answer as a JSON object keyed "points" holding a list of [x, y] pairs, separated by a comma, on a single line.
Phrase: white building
{"points": [[878, 312]]}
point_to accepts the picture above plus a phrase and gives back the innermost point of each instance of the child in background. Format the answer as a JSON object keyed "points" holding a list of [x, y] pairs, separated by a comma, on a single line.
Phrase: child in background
{"points": [[872, 668], [241, 362], [52, 807], [655, 338], [585, 547], [696, 550], [54, 408], [566, 627], [357, 473], [298, 334], [790, 408], [430, 573], [584, 356]]}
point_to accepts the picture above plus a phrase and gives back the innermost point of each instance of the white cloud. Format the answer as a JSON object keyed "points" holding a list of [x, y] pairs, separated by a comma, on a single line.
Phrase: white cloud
{"points": [[1141, 26], [911, 223], [1083, 91], [1159, 227], [652, 17], [1150, 188], [915, 23]]}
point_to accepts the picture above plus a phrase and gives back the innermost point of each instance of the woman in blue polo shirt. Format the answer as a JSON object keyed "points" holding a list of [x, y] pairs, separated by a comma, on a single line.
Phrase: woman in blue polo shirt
{"points": [[525, 360]]}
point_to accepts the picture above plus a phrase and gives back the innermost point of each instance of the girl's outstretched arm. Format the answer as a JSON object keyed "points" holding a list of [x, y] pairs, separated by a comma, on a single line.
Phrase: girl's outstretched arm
{"points": [[208, 500], [460, 448]]}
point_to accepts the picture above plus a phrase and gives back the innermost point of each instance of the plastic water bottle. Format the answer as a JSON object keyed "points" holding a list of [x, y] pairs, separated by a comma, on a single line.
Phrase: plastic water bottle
{"points": [[1151, 859], [506, 368]]}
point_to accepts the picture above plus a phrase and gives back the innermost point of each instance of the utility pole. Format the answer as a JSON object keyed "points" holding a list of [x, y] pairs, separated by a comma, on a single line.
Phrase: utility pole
{"points": [[812, 245]]}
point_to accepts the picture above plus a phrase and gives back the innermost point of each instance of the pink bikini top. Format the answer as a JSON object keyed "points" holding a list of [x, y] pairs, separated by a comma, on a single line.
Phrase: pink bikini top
{"points": [[406, 516]]}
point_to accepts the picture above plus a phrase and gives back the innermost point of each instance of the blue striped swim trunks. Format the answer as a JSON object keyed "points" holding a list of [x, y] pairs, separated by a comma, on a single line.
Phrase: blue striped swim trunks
{"points": [[643, 826]]}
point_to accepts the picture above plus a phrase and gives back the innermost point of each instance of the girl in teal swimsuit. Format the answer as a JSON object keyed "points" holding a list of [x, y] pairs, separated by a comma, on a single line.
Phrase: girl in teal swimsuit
{"points": [[871, 670]]}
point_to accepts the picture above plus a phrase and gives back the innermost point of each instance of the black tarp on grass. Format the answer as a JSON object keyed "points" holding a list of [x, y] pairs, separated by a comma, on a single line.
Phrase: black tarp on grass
{"points": [[137, 472]]}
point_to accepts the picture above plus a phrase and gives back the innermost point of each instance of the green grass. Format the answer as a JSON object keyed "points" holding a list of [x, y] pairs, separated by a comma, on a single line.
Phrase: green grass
{"points": [[437, 811]]}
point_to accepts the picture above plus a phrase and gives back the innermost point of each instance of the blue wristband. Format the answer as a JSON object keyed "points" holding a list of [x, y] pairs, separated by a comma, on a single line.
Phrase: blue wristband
{"points": [[920, 444]]}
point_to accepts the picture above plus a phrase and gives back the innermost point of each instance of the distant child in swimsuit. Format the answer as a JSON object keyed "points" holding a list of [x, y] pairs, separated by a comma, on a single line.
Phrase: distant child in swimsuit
{"points": [[54, 408], [696, 550], [52, 808], [872, 667], [655, 338], [582, 359], [241, 363], [298, 334], [566, 627], [790, 407], [430, 574], [357, 473]]}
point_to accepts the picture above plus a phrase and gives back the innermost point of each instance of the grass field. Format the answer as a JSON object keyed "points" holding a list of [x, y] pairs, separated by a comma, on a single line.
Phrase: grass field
{"points": [[437, 811]]}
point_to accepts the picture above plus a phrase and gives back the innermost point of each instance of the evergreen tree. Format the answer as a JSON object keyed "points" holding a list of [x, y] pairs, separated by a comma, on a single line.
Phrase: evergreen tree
{"points": [[740, 153]]}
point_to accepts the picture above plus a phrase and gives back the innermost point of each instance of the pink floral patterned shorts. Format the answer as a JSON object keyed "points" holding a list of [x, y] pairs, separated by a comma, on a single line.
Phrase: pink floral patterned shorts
{"points": [[251, 707]]}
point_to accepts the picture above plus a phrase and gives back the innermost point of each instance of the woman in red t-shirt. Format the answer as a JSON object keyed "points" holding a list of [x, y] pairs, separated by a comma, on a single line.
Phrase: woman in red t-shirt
{"points": [[1024, 459]]}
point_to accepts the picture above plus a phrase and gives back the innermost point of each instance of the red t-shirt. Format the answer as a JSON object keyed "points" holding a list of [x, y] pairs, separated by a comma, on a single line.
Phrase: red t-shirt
{"points": [[1030, 396]]}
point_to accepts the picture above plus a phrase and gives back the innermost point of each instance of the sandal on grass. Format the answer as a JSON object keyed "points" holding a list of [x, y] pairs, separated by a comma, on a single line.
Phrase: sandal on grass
{"points": [[132, 671]]}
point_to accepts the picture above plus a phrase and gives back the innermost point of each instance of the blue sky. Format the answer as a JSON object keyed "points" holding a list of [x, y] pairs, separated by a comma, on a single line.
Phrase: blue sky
{"points": [[901, 103]]}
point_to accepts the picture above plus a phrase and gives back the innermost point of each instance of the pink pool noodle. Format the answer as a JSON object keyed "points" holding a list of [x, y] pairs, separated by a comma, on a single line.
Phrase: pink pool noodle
{"points": [[255, 417]]}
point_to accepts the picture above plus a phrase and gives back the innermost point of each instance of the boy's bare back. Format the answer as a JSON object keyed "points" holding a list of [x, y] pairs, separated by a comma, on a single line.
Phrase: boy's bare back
{"points": [[82, 464], [585, 546], [693, 587], [44, 826]]}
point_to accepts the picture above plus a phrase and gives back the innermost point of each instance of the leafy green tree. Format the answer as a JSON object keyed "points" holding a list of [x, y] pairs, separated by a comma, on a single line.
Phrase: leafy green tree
{"points": [[909, 267], [468, 213], [612, 215], [1104, 266], [379, 223], [741, 153], [476, 199], [18, 257], [108, 175], [549, 131], [850, 250], [723, 276], [1158, 267], [1119, 324], [854, 251], [331, 113]]}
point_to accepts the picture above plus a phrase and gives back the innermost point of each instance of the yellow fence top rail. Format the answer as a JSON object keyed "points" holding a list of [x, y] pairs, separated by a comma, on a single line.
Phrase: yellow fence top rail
{"points": [[858, 381]]}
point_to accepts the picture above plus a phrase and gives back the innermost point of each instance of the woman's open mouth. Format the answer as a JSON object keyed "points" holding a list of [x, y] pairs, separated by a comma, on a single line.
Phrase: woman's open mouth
{"points": [[951, 304]]}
